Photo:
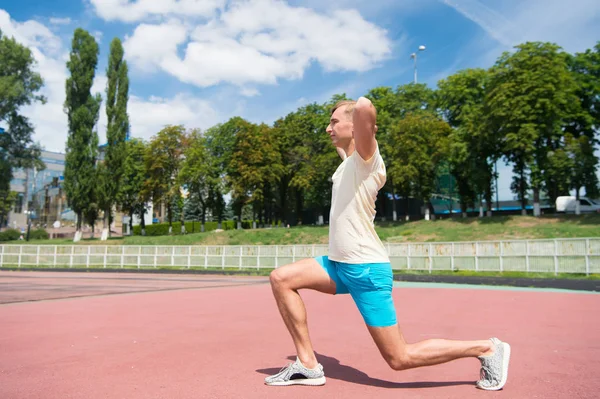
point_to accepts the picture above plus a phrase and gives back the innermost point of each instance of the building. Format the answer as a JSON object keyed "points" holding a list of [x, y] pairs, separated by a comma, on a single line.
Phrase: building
{"points": [[40, 191]]}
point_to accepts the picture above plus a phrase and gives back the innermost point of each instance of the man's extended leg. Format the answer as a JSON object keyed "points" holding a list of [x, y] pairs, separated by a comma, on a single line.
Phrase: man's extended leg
{"points": [[285, 283], [401, 356], [371, 288]]}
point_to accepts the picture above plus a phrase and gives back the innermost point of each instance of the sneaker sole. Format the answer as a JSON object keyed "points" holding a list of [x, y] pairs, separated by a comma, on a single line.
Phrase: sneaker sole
{"points": [[307, 381], [505, 361]]}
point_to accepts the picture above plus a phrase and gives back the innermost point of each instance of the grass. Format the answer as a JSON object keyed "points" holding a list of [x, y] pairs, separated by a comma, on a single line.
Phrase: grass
{"points": [[449, 230]]}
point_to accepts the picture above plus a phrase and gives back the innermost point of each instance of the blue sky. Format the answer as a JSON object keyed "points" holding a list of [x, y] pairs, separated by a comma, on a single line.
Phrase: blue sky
{"points": [[200, 62]]}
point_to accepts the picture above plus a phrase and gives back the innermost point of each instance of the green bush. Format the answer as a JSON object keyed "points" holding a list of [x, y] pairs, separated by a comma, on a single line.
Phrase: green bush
{"points": [[39, 234], [162, 229], [10, 235]]}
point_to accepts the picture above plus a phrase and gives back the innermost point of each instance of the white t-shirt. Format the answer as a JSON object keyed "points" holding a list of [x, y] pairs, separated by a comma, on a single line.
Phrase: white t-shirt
{"points": [[352, 236]]}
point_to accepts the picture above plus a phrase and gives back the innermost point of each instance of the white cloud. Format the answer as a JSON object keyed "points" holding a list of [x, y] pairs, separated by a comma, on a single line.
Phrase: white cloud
{"points": [[369, 9], [490, 20], [572, 26], [153, 46], [249, 92], [131, 11], [98, 35], [260, 42], [60, 21], [147, 116]]}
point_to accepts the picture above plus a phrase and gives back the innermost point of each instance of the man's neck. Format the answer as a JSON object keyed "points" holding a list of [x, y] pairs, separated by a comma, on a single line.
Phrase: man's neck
{"points": [[349, 149]]}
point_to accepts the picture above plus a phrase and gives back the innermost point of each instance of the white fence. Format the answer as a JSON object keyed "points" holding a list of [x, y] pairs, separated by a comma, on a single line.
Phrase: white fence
{"points": [[554, 256]]}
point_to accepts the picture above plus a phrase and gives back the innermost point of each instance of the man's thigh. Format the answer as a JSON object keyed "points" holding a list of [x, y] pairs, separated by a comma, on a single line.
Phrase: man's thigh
{"points": [[370, 286], [305, 273]]}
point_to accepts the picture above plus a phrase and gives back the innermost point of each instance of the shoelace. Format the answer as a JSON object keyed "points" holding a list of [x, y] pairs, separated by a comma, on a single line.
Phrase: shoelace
{"points": [[485, 374], [283, 369]]}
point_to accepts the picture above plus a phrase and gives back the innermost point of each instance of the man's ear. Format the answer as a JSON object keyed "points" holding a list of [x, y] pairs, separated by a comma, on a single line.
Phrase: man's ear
{"points": [[376, 128]]}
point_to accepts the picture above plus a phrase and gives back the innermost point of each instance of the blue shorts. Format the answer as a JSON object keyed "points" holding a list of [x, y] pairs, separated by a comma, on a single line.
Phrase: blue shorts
{"points": [[369, 284]]}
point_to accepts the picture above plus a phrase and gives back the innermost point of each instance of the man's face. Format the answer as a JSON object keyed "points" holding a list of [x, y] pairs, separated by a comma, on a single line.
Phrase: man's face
{"points": [[340, 127]]}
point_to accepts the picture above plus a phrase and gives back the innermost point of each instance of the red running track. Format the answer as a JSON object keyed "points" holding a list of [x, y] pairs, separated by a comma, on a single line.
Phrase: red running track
{"points": [[220, 342]]}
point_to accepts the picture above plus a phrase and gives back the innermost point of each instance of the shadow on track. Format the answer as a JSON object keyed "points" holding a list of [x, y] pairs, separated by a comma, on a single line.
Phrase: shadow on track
{"points": [[335, 370]]}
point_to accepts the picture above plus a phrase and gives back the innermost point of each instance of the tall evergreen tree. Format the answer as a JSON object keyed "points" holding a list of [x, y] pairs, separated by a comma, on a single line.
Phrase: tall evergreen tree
{"points": [[117, 95], [82, 110]]}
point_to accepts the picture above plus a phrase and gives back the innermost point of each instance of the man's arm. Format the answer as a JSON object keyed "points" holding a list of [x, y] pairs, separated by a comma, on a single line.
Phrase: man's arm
{"points": [[364, 121]]}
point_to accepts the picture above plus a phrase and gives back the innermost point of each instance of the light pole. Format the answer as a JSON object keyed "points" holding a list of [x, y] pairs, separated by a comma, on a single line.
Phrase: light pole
{"points": [[414, 56]]}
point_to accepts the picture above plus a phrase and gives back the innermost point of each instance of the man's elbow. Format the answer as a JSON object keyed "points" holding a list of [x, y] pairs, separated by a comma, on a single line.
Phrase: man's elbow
{"points": [[363, 104], [364, 109]]}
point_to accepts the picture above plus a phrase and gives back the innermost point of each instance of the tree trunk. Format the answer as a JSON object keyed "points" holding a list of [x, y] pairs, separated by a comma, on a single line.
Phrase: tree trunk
{"points": [[182, 220], [143, 221], [170, 217], [394, 210], [488, 199], [480, 207], [131, 222], [522, 193], [536, 202], [283, 189], [299, 207], [577, 202]]}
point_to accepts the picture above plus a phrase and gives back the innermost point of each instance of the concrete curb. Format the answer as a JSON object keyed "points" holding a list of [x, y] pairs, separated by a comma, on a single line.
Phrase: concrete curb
{"points": [[568, 284]]}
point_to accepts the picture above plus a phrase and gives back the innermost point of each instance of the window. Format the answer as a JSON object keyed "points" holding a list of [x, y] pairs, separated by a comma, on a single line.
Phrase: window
{"points": [[584, 202], [19, 204]]}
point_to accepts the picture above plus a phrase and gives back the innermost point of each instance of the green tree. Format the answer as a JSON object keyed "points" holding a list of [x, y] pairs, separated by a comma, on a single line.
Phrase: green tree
{"points": [[308, 160], [420, 145], [19, 86], [473, 146], [82, 110], [531, 96], [133, 197], [254, 167], [117, 96], [584, 125], [198, 172], [220, 140], [392, 106], [163, 160], [7, 197]]}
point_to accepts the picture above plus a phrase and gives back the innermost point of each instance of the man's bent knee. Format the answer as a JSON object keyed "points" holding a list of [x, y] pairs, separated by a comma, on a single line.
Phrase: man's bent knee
{"points": [[277, 279], [398, 363]]}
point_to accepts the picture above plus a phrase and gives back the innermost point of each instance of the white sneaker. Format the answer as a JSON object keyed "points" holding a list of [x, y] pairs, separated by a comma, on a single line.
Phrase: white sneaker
{"points": [[296, 374], [494, 368]]}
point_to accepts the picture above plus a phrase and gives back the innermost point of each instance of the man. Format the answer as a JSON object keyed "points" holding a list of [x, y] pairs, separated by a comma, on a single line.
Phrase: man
{"points": [[359, 265]]}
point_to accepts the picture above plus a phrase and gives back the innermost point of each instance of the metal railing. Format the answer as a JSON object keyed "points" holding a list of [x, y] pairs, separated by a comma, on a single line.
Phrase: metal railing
{"points": [[579, 255]]}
